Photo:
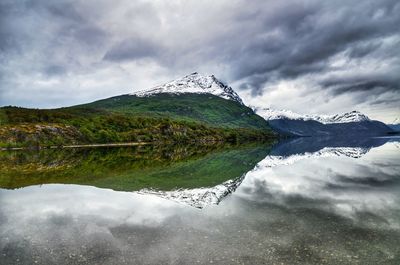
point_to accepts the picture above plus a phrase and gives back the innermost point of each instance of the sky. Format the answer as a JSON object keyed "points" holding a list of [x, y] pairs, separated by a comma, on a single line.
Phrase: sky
{"points": [[307, 56]]}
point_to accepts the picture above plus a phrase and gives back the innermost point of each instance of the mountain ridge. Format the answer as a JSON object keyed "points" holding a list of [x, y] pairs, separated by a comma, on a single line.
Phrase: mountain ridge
{"points": [[352, 123], [273, 114]]}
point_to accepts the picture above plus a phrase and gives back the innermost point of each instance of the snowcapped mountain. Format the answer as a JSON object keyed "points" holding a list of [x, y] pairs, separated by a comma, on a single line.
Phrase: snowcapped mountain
{"points": [[350, 124], [194, 83], [272, 114], [353, 116]]}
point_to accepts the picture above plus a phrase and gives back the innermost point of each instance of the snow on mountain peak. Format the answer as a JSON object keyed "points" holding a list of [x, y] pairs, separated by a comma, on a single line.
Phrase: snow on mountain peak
{"points": [[194, 83], [272, 114], [353, 116]]}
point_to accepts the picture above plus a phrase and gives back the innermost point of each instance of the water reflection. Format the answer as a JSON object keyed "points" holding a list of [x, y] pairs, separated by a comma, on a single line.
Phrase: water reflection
{"points": [[303, 145], [320, 204], [130, 168], [352, 180]]}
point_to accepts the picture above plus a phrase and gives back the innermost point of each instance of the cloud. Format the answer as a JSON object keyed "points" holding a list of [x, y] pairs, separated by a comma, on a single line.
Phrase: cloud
{"points": [[305, 41], [132, 49], [332, 54], [356, 83]]}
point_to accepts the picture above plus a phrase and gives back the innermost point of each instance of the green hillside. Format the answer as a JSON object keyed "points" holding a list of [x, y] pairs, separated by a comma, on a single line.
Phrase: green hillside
{"points": [[205, 108], [163, 118]]}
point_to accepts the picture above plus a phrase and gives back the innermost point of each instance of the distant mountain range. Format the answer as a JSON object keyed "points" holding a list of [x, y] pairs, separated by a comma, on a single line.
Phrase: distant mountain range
{"points": [[351, 123], [272, 114]]}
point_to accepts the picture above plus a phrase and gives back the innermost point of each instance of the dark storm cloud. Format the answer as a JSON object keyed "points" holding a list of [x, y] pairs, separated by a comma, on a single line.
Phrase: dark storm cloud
{"points": [[55, 34], [308, 37], [363, 49], [8, 38], [373, 83]]}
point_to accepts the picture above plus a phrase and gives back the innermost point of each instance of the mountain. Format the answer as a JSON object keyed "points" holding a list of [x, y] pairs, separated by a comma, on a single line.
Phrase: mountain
{"points": [[193, 98], [194, 108], [351, 123], [314, 128], [271, 114], [194, 83]]}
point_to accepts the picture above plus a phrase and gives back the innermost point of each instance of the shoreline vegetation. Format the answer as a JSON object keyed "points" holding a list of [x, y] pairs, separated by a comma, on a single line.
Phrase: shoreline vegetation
{"points": [[22, 128]]}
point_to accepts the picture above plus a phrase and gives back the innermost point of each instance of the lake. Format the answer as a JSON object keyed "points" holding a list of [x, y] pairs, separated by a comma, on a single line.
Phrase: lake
{"points": [[300, 201]]}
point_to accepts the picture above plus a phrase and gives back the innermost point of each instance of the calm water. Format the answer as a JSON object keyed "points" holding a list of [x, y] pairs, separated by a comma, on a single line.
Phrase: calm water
{"points": [[306, 201]]}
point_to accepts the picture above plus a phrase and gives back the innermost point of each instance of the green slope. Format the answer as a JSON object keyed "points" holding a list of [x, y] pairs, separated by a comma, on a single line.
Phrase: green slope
{"points": [[205, 108], [205, 119]]}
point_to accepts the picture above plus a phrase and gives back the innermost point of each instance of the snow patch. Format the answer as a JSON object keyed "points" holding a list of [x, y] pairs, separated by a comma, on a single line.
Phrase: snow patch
{"points": [[194, 83], [199, 197]]}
